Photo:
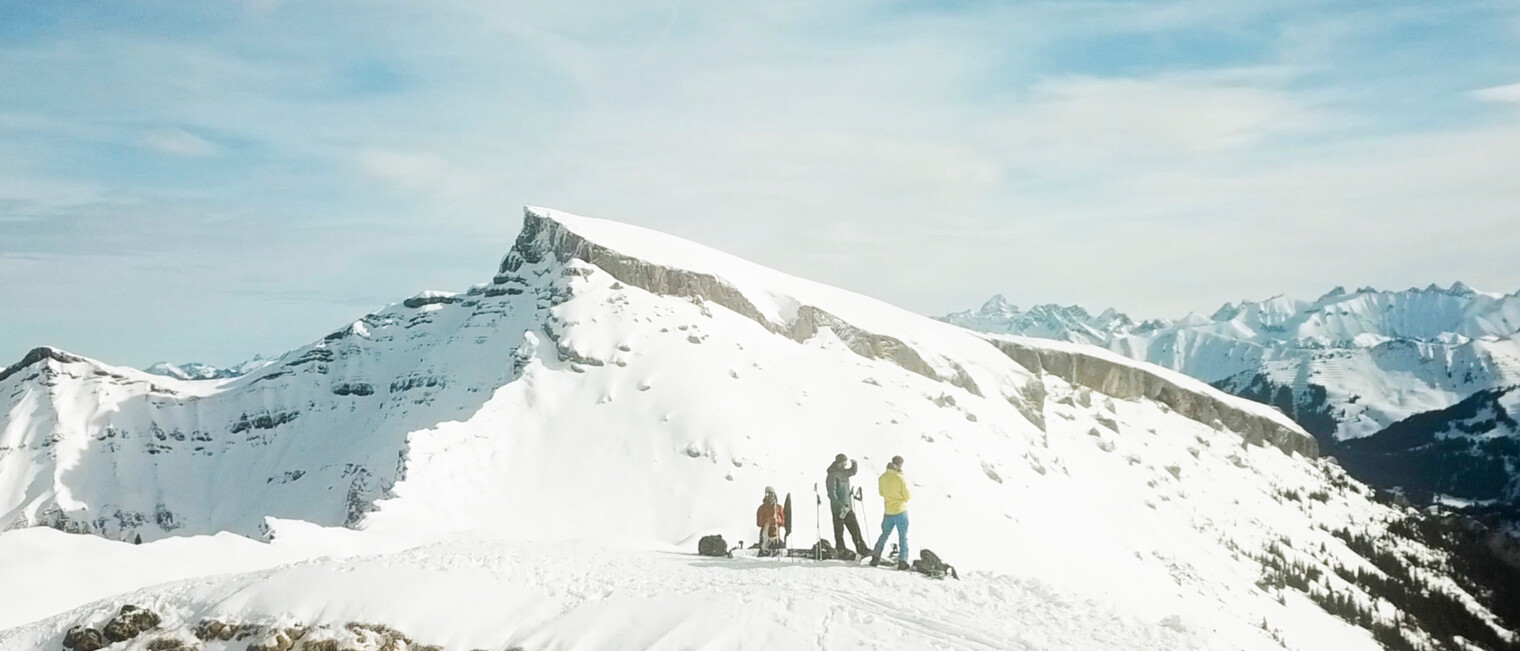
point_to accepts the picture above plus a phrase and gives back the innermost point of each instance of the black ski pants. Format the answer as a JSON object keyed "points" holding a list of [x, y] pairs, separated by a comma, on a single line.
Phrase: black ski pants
{"points": [[847, 521]]}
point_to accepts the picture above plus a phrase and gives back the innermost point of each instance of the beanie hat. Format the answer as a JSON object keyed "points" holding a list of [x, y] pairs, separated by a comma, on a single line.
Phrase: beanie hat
{"points": [[840, 458]]}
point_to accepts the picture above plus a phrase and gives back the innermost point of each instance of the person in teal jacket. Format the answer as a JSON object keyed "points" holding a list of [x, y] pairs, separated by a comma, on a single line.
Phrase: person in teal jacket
{"points": [[893, 488], [842, 504]]}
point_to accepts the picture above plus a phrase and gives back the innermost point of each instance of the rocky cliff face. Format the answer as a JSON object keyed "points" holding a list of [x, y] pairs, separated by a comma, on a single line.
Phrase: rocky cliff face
{"points": [[1114, 376]]}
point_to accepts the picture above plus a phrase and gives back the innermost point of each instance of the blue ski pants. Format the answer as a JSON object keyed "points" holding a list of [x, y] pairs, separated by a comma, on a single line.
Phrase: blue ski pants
{"points": [[888, 523]]}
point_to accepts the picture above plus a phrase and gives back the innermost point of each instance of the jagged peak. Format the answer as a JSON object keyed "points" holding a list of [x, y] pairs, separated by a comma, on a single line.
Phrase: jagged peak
{"points": [[1337, 292], [1225, 312], [1192, 319], [40, 354], [1056, 309], [1113, 317], [998, 304]]}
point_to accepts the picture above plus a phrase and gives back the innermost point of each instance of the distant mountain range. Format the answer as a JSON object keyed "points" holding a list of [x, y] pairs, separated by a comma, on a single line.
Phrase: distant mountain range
{"points": [[199, 371], [1346, 366]]}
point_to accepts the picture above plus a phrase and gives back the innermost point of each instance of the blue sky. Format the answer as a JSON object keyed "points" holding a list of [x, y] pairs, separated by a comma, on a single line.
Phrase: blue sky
{"points": [[207, 181]]}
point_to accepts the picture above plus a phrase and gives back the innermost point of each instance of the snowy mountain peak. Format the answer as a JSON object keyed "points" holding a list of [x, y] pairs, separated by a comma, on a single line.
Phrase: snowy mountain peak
{"points": [[998, 305], [1225, 312], [38, 355]]}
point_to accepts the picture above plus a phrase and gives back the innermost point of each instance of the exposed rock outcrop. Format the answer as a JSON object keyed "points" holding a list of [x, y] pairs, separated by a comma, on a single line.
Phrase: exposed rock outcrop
{"points": [[1129, 381], [130, 622], [80, 638], [542, 237], [36, 355]]}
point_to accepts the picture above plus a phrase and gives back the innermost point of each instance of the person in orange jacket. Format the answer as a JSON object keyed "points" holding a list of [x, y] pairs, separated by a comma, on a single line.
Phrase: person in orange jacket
{"points": [[771, 518], [893, 488]]}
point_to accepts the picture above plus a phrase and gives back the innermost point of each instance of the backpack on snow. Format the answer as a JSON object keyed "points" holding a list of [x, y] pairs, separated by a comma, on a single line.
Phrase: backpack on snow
{"points": [[930, 565], [822, 550], [713, 545]]}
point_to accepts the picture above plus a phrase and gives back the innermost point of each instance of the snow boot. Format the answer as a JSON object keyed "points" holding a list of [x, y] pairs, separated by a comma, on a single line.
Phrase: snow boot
{"points": [[875, 561], [903, 565]]}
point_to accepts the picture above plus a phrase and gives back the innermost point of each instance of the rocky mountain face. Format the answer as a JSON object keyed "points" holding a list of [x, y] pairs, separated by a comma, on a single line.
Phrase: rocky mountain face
{"points": [[611, 383], [1468, 452]]}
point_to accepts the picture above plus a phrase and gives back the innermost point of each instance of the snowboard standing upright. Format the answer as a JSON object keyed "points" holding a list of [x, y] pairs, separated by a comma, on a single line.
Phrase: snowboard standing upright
{"points": [[786, 524]]}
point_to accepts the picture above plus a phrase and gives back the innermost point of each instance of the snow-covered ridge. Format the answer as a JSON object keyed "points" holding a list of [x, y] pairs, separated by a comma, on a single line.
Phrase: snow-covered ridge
{"points": [[786, 305], [619, 388], [670, 266]]}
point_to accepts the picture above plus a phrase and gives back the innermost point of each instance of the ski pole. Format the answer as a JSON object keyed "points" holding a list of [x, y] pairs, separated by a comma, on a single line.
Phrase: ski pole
{"points": [[865, 522], [817, 522]]}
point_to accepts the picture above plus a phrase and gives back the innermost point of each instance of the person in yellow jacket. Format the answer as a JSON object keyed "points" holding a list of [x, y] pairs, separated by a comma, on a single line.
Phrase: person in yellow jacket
{"points": [[893, 488]]}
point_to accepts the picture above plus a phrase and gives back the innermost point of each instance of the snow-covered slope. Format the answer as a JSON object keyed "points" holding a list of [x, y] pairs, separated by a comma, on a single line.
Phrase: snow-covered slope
{"points": [[1344, 366], [612, 386]]}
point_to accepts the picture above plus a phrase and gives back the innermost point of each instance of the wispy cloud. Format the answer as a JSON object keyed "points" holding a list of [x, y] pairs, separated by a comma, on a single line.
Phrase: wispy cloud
{"points": [[1508, 93], [179, 143], [1159, 155], [420, 171]]}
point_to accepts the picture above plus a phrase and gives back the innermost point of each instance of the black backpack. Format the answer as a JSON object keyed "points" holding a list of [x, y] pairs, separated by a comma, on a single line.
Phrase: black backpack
{"points": [[822, 549], [713, 545], [930, 565]]}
